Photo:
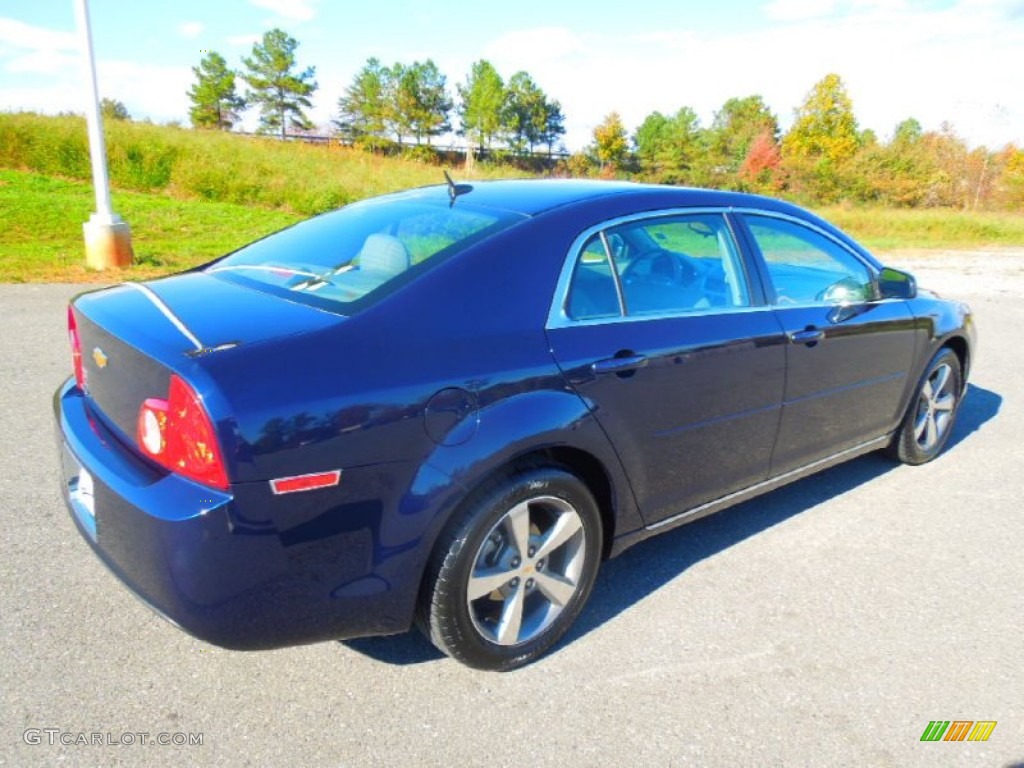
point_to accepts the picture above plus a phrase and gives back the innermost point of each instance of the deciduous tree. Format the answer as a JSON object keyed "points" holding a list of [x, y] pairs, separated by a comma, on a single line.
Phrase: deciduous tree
{"points": [[1009, 189], [823, 139], [825, 125], [761, 169], [737, 125], [112, 109], [610, 140]]}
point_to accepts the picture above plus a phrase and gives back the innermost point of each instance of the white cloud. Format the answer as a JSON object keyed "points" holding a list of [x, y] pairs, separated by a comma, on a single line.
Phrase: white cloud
{"points": [[244, 40], [42, 62], [793, 10], [297, 10], [61, 97], [538, 44], [21, 35], [191, 29], [156, 92], [27, 49]]}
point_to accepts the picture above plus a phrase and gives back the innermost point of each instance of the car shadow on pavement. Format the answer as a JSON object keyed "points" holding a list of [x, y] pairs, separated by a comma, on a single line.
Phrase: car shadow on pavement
{"points": [[979, 406], [645, 568]]}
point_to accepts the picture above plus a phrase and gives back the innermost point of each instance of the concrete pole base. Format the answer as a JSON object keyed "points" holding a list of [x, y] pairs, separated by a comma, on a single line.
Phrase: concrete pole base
{"points": [[107, 244]]}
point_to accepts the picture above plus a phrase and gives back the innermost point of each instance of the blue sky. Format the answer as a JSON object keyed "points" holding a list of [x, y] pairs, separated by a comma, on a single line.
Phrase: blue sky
{"points": [[960, 61]]}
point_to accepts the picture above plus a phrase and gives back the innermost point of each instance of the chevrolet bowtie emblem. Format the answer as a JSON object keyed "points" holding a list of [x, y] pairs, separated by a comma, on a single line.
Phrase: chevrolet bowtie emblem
{"points": [[99, 358]]}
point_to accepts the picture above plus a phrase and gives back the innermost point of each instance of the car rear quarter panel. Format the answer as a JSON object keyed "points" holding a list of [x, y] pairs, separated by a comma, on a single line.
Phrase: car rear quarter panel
{"points": [[354, 397]]}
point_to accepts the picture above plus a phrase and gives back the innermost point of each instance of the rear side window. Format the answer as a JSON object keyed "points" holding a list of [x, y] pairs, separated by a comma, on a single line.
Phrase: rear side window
{"points": [[806, 267], [593, 293], [661, 265], [350, 258]]}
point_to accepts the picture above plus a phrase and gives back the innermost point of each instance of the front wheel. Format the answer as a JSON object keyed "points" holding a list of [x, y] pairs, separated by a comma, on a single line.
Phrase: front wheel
{"points": [[513, 573], [929, 421]]}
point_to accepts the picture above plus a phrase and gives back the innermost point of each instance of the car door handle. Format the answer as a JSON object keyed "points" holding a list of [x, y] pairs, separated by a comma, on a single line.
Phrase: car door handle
{"points": [[619, 364], [806, 336]]}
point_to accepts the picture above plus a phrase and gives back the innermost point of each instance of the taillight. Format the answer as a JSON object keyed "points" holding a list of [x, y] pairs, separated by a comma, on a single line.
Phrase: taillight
{"points": [[178, 434], [76, 349]]}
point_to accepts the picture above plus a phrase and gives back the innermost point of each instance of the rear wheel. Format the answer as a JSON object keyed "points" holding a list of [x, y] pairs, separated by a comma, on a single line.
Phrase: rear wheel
{"points": [[511, 576], [929, 421]]}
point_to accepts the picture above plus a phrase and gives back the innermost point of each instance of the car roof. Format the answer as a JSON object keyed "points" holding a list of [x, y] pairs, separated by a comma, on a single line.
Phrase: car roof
{"points": [[532, 197], [535, 197]]}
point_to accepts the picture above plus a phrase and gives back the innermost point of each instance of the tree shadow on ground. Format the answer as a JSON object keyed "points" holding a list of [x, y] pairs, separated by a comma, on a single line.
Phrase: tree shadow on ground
{"points": [[645, 568]]}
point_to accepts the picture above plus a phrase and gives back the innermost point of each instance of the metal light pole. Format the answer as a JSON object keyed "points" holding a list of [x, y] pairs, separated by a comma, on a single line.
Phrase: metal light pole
{"points": [[108, 240]]}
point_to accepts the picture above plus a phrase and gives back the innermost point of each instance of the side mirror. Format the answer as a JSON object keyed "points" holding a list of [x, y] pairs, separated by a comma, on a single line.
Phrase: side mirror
{"points": [[894, 284]]}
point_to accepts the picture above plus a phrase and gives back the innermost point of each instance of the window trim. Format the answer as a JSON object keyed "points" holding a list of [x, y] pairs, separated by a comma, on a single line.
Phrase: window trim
{"points": [[616, 277], [558, 317]]}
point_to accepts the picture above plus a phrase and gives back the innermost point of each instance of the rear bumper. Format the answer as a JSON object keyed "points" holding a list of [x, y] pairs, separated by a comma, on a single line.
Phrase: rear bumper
{"points": [[220, 565]]}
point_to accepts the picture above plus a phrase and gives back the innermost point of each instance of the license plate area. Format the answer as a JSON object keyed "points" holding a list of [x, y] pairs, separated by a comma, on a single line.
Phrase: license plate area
{"points": [[80, 489]]}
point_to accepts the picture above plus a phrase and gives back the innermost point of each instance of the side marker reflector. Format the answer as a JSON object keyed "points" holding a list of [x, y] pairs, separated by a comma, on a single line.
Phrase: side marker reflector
{"points": [[311, 482]]}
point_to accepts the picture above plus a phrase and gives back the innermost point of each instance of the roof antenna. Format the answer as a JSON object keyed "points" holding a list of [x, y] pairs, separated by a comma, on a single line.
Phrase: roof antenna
{"points": [[454, 190]]}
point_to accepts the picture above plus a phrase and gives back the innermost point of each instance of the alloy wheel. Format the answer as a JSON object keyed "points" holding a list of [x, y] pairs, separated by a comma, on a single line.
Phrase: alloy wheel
{"points": [[526, 570]]}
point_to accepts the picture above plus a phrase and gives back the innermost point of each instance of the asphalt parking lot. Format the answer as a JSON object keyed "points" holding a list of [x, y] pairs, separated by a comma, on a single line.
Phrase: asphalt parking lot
{"points": [[824, 624]]}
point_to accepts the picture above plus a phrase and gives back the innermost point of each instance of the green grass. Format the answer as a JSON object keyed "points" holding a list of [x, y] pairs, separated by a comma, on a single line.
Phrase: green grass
{"points": [[897, 229], [41, 229]]}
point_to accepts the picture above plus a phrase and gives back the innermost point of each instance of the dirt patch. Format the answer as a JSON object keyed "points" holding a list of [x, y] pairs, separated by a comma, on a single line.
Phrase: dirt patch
{"points": [[962, 273]]}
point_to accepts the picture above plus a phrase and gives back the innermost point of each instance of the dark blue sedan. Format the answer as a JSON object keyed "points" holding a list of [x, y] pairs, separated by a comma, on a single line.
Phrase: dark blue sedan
{"points": [[447, 406]]}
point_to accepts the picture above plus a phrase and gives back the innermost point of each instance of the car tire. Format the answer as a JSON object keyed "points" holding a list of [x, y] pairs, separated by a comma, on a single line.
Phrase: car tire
{"points": [[932, 413], [513, 571]]}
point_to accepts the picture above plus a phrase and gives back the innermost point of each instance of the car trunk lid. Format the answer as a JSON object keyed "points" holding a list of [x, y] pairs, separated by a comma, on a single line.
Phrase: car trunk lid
{"points": [[134, 336]]}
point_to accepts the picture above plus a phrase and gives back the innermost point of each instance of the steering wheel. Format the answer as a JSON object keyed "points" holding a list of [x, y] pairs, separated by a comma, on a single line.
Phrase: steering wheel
{"points": [[665, 268]]}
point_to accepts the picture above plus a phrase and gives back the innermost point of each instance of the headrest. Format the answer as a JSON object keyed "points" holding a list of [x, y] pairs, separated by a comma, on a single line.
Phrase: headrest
{"points": [[383, 255]]}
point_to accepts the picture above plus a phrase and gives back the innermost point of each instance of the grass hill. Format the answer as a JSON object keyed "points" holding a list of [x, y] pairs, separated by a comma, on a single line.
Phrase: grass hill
{"points": [[209, 165]]}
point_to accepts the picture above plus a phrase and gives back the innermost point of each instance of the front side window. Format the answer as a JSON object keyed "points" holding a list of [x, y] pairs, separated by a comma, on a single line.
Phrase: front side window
{"points": [[666, 264], [348, 259], [806, 267]]}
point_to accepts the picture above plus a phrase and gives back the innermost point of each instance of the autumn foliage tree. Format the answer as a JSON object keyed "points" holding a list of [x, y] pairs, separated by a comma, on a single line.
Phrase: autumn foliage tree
{"points": [[737, 126], [761, 170], [823, 139], [611, 141], [1010, 187]]}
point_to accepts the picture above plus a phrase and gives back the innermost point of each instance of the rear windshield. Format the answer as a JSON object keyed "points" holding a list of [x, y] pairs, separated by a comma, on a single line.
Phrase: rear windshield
{"points": [[352, 257]]}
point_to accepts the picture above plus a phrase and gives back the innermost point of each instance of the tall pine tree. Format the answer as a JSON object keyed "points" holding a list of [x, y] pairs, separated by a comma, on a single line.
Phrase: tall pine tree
{"points": [[276, 87], [215, 102], [483, 104]]}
